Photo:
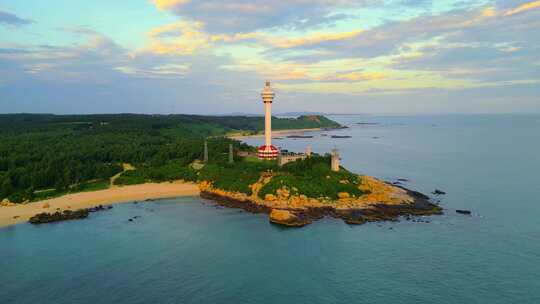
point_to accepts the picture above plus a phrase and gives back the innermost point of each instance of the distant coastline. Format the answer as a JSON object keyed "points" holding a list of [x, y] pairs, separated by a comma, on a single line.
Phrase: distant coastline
{"points": [[20, 213], [243, 135]]}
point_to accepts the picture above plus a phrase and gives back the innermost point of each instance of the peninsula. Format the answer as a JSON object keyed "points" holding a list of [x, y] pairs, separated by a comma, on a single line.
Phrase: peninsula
{"points": [[52, 163]]}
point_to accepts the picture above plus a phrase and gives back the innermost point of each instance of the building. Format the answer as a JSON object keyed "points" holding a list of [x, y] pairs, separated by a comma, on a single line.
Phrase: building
{"points": [[335, 160], [267, 151], [285, 156]]}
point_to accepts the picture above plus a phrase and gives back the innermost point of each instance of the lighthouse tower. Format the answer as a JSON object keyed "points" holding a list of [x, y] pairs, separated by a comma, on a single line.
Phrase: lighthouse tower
{"points": [[267, 151]]}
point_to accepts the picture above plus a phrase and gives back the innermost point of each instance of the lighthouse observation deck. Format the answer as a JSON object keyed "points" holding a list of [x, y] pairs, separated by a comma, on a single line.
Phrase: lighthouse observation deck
{"points": [[267, 93]]}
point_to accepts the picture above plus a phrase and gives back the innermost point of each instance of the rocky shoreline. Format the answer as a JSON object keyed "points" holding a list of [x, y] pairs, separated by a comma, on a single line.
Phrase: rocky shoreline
{"points": [[298, 217]]}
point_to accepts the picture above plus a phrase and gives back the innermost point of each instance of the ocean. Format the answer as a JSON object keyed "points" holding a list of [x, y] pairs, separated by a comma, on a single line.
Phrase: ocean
{"points": [[189, 250]]}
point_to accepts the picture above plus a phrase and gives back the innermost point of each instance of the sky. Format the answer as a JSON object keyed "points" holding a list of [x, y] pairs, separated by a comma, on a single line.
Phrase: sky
{"points": [[213, 56]]}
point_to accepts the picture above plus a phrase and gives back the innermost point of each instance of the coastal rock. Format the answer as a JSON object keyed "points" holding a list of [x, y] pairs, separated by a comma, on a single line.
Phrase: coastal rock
{"points": [[467, 212], [6, 203], [270, 197], [343, 195], [288, 218], [380, 202], [438, 192], [44, 218]]}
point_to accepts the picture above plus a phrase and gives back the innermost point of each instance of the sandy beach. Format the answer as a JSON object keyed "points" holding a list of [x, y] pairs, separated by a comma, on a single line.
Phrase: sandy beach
{"points": [[21, 213], [276, 133]]}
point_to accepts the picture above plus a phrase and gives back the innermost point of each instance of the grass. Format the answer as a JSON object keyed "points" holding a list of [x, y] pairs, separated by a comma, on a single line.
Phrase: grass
{"points": [[173, 170], [83, 187], [313, 178], [237, 176]]}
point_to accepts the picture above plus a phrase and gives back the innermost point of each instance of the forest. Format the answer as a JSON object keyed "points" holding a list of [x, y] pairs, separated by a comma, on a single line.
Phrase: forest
{"points": [[57, 154]]}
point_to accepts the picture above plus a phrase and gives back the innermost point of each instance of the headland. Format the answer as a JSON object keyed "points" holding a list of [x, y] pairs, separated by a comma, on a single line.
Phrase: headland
{"points": [[305, 191]]}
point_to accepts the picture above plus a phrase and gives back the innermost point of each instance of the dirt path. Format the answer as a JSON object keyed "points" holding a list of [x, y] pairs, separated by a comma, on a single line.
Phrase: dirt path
{"points": [[126, 167]]}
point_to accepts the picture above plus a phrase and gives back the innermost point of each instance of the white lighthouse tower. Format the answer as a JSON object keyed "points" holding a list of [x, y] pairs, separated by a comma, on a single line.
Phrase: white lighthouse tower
{"points": [[267, 151]]}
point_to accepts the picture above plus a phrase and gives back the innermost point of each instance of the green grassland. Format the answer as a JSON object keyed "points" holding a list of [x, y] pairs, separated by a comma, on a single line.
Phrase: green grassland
{"points": [[313, 178]]}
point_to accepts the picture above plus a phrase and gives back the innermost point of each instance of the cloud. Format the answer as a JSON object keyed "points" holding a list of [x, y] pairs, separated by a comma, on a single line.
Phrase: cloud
{"points": [[98, 75], [183, 37], [216, 56], [240, 16], [312, 39], [522, 8], [167, 4], [7, 18]]}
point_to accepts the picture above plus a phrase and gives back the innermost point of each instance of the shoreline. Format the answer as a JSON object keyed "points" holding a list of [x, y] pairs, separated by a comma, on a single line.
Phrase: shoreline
{"points": [[275, 132], [11, 215]]}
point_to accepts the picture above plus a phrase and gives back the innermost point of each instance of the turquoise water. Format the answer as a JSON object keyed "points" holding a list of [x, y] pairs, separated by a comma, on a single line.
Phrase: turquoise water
{"points": [[190, 251]]}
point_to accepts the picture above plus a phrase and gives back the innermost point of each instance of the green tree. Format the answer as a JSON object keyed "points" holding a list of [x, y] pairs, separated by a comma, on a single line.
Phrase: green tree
{"points": [[7, 187]]}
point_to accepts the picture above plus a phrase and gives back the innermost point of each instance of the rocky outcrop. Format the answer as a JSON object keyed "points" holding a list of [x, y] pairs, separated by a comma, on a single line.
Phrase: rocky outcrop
{"points": [[298, 217], [66, 215], [44, 218], [288, 218], [381, 202]]}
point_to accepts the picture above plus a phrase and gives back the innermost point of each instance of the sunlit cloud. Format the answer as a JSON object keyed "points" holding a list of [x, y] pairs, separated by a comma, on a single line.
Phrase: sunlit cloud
{"points": [[523, 8], [167, 4]]}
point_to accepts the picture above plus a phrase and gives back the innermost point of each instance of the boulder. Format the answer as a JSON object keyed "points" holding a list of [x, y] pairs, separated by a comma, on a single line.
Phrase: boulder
{"points": [[269, 197], [288, 218], [46, 205], [343, 195], [438, 192]]}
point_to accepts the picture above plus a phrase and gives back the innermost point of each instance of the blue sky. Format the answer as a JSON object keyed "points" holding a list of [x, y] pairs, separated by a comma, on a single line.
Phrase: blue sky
{"points": [[213, 56]]}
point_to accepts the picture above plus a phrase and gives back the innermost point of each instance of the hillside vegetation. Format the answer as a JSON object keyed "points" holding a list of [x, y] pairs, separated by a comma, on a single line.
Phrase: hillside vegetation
{"points": [[55, 154]]}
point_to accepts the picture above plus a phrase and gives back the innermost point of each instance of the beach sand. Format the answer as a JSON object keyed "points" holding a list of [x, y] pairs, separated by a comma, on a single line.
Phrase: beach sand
{"points": [[21, 213]]}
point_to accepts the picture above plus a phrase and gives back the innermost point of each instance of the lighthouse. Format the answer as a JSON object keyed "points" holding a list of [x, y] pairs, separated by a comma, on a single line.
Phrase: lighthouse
{"points": [[267, 151]]}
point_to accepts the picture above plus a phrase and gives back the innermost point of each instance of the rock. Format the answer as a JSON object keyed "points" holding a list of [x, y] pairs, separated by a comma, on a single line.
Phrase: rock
{"points": [[343, 195], [130, 220], [99, 208], [288, 218], [269, 197], [355, 220], [46, 205], [6, 203], [438, 192], [463, 211], [43, 218]]}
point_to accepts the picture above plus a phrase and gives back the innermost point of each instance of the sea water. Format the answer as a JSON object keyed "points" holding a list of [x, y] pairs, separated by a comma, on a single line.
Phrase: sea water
{"points": [[189, 250]]}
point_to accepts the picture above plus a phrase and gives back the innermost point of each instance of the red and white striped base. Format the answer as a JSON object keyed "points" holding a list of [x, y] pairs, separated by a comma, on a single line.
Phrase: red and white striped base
{"points": [[268, 152]]}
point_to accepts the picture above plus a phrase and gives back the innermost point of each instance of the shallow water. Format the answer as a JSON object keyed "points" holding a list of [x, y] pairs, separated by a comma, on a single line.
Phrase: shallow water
{"points": [[188, 250]]}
